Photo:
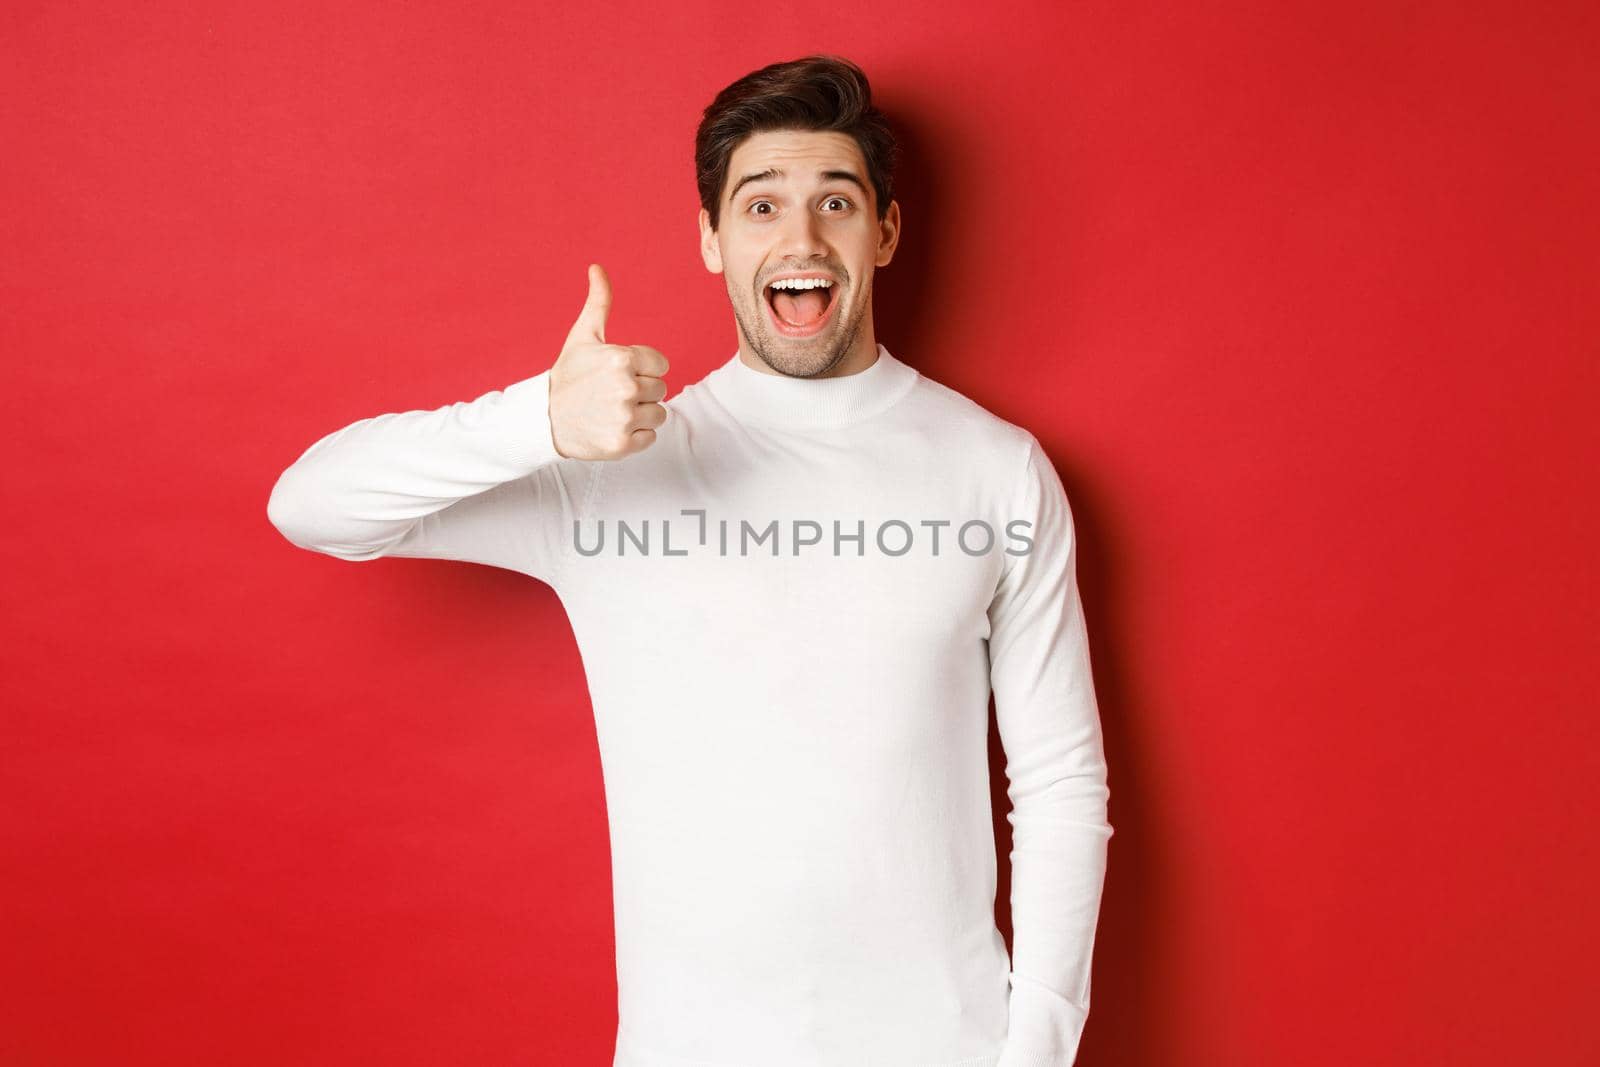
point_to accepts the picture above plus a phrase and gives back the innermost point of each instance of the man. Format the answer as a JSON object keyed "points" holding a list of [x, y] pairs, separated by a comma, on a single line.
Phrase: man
{"points": [[793, 586]]}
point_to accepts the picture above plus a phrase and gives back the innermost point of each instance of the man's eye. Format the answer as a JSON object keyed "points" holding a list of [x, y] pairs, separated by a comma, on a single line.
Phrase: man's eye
{"points": [[842, 200]]}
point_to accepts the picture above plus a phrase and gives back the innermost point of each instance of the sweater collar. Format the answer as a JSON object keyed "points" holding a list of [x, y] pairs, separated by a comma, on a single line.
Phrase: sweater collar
{"points": [[778, 400]]}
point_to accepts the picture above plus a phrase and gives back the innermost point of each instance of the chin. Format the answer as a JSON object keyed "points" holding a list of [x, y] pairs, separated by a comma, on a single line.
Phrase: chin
{"points": [[804, 359]]}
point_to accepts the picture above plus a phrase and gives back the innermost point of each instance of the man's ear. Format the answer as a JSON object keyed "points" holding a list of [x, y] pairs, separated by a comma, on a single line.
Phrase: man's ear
{"points": [[710, 252], [889, 234]]}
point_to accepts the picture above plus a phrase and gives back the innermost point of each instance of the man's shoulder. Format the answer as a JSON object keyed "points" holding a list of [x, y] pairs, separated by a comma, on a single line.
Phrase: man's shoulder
{"points": [[968, 425]]}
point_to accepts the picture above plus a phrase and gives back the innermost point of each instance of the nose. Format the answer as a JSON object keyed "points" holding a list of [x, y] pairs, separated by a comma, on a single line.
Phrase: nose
{"points": [[800, 237]]}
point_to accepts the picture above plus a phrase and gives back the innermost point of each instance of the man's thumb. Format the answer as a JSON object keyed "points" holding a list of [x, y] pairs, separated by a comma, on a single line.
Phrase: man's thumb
{"points": [[591, 324]]}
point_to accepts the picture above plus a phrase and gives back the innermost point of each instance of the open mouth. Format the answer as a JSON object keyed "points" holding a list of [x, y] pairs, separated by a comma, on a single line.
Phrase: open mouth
{"points": [[801, 312]]}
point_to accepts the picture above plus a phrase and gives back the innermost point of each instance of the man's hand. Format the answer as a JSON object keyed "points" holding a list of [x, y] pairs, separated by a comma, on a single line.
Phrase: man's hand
{"points": [[605, 400]]}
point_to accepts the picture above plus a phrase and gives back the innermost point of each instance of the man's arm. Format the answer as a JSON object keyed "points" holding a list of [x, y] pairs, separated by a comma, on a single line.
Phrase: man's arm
{"points": [[483, 480], [1056, 772], [480, 481]]}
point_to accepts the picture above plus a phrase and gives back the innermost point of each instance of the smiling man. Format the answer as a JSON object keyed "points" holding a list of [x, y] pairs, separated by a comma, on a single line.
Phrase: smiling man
{"points": [[797, 238], [794, 586]]}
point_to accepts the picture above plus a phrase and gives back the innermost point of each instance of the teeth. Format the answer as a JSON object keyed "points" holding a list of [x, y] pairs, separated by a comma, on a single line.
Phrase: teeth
{"points": [[802, 283]]}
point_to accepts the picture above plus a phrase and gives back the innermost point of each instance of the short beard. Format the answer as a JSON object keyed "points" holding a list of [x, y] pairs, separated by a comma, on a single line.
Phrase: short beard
{"points": [[772, 349]]}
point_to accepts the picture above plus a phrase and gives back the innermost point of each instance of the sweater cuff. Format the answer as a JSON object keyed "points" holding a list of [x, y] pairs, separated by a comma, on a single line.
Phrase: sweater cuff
{"points": [[522, 419], [1044, 1029]]}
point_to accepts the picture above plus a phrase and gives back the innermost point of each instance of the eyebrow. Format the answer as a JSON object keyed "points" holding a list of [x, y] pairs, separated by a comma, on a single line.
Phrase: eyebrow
{"points": [[772, 172]]}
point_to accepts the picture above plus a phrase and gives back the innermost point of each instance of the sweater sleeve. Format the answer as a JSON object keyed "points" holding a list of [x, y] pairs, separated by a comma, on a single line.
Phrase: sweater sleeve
{"points": [[1049, 726], [476, 480]]}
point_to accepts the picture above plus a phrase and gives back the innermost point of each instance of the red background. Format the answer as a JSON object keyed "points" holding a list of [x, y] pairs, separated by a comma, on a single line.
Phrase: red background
{"points": [[1300, 299]]}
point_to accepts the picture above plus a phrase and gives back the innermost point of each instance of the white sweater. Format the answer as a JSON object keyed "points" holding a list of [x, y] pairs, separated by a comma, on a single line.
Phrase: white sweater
{"points": [[792, 727]]}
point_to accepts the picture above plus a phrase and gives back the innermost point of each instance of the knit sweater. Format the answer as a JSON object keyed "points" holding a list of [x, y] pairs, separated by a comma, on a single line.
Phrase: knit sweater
{"points": [[791, 610]]}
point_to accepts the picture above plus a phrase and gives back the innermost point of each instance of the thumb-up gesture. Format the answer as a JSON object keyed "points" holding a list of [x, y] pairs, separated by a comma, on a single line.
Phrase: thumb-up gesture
{"points": [[605, 400]]}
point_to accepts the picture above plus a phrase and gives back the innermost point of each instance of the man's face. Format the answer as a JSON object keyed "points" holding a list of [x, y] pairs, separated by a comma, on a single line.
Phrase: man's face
{"points": [[811, 211]]}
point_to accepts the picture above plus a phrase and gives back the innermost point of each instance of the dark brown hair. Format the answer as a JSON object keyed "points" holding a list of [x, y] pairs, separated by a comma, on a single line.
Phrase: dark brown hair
{"points": [[819, 92]]}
